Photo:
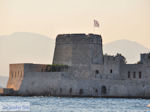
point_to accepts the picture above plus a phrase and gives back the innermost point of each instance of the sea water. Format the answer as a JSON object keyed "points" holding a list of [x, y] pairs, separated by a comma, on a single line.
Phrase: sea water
{"points": [[62, 104]]}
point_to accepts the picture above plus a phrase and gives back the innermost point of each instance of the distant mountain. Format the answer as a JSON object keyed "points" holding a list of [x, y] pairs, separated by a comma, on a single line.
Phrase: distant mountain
{"points": [[24, 47], [3, 81], [130, 49]]}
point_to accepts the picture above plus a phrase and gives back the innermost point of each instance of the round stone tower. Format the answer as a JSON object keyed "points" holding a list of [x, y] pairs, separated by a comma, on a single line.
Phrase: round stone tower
{"points": [[78, 49]]}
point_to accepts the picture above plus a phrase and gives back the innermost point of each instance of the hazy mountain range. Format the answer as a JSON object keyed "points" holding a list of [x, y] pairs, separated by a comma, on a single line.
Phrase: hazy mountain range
{"points": [[24, 47]]}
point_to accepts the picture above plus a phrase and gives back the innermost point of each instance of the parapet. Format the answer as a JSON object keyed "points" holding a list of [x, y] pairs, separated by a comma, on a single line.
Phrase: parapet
{"points": [[78, 39], [115, 59]]}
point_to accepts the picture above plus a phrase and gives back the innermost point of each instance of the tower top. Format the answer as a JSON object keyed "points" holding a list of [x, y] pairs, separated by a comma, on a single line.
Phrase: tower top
{"points": [[79, 38]]}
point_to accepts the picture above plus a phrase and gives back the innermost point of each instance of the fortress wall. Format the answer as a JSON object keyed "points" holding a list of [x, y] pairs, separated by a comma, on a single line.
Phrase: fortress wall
{"points": [[53, 83], [146, 68], [59, 84], [79, 71], [133, 71], [16, 74], [111, 68], [128, 88], [97, 71], [64, 84], [39, 82]]}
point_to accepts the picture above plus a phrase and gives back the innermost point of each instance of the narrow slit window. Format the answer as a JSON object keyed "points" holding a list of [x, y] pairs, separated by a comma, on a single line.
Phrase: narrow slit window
{"points": [[128, 74], [96, 72], [110, 70], [140, 75], [134, 74]]}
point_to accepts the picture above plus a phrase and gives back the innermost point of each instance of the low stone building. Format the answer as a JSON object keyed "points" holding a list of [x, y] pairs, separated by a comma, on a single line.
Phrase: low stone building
{"points": [[80, 69]]}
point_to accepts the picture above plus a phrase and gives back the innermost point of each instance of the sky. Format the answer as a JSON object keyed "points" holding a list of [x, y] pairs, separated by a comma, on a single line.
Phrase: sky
{"points": [[119, 19]]}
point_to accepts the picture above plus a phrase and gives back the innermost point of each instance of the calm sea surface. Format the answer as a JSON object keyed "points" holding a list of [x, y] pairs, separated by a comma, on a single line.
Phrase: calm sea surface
{"points": [[56, 104]]}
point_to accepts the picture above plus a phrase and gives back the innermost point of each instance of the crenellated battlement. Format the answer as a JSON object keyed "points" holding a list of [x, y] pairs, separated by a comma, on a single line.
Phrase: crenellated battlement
{"points": [[78, 39]]}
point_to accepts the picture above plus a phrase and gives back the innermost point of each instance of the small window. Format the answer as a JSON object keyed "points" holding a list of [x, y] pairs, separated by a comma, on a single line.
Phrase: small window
{"points": [[110, 70], [128, 74], [140, 75], [96, 90], [134, 75], [60, 90], [103, 90], [70, 91], [96, 72], [81, 91]]}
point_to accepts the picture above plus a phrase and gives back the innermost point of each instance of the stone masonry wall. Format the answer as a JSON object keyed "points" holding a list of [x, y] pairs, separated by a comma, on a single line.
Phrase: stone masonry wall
{"points": [[59, 84], [16, 74]]}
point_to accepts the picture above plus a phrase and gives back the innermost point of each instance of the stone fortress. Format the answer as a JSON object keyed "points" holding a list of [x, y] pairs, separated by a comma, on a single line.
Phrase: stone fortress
{"points": [[80, 69]]}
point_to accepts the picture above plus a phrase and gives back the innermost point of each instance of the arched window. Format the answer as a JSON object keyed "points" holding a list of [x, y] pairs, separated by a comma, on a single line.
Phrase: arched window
{"points": [[81, 91], [96, 91], [103, 90]]}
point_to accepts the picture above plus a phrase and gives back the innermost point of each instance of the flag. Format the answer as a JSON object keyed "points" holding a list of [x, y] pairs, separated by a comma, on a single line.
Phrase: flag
{"points": [[96, 23]]}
